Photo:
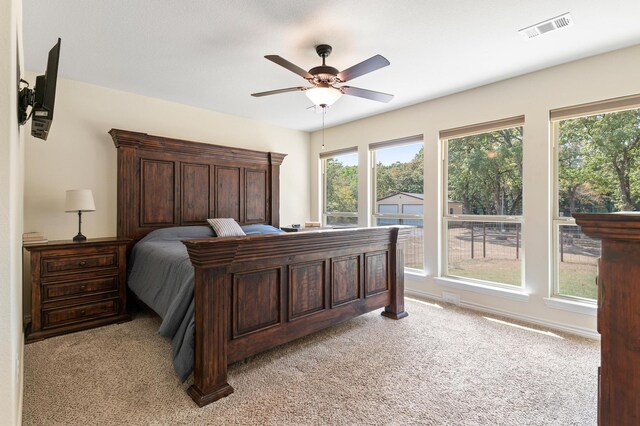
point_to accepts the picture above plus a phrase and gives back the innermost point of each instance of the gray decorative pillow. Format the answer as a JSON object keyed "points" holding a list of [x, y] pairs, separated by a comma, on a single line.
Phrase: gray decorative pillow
{"points": [[226, 227]]}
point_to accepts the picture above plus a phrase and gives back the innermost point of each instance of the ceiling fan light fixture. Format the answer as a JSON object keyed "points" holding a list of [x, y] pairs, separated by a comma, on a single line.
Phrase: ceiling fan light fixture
{"points": [[326, 96]]}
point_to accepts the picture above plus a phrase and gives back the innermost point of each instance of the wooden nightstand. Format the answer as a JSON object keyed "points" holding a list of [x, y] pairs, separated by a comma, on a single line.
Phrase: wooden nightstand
{"points": [[77, 285]]}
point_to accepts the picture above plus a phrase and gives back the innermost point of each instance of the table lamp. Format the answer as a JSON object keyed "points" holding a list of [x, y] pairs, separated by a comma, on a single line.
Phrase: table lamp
{"points": [[79, 200]]}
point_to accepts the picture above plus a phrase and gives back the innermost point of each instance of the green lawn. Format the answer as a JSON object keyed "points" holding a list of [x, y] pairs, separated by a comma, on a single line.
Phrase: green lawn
{"points": [[577, 279], [495, 270]]}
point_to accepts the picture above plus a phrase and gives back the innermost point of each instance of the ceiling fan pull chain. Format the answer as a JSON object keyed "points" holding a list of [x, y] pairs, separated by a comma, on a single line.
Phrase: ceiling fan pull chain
{"points": [[324, 111]]}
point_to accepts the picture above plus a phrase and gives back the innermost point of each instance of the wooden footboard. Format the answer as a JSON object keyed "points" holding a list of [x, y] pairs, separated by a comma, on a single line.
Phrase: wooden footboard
{"points": [[254, 293]]}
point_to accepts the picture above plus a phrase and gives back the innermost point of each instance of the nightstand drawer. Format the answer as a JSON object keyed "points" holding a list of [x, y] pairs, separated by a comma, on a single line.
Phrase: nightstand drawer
{"points": [[58, 265], [62, 316], [52, 292]]}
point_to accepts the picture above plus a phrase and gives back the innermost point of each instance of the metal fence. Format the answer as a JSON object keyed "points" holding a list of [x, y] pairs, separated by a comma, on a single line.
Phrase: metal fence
{"points": [[475, 240], [414, 249], [491, 240], [576, 247]]}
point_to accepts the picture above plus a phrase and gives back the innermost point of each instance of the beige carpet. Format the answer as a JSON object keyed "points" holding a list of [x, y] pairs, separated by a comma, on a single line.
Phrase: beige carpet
{"points": [[439, 366]]}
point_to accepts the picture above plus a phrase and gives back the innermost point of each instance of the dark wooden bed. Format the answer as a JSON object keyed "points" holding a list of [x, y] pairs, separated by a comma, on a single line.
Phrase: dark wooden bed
{"points": [[256, 292]]}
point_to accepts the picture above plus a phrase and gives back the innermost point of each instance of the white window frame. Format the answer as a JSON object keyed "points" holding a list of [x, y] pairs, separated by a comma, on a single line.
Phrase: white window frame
{"points": [[447, 217], [555, 117], [411, 140], [327, 156], [557, 221]]}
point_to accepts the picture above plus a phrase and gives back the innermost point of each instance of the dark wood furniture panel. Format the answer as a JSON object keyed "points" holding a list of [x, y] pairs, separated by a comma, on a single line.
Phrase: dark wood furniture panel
{"points": [[158, 186], [256, 301], [345, 280], [618, 315], [308, 296], [76, 285], [256, 292], [228, 183], [255, 182], [195, 180], [376, 276]]}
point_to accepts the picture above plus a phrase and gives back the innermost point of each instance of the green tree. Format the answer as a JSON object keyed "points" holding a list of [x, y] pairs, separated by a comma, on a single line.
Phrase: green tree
{"points": [[577, 186], [485, 172], [598, 162], [342, 186], [401, 177]]}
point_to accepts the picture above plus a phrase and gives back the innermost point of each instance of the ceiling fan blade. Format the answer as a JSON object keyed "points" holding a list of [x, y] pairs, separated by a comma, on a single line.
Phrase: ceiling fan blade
{"points": [[364, 93], [275, 92], [364, 67], [288, 65]]}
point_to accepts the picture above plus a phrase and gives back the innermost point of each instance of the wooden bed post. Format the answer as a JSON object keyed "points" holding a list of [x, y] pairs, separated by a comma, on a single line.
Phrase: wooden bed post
{"points": [[275, 160], [127, 169], [212, 316], [396, 309]]}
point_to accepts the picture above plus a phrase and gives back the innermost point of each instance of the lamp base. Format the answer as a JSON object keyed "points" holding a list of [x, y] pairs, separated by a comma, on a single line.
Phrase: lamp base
{"points": [[79, 237]]}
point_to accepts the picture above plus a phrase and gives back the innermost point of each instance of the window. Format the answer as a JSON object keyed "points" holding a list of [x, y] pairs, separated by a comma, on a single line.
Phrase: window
{"points": [[340, 184], [597, 159], [398, 191], [482, 208]]}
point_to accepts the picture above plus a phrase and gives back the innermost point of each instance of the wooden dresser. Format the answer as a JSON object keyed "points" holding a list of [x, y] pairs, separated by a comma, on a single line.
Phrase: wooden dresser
{"points": [[618, 315], [77, 285]]}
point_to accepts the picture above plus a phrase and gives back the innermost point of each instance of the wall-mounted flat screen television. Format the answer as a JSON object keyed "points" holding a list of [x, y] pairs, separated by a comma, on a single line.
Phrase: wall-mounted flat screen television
{"points": [[45, 96], [42, 98]]}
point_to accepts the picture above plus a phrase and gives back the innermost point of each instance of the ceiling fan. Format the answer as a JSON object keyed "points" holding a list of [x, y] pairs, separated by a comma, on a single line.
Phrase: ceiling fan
{"points": [[324, 79]]}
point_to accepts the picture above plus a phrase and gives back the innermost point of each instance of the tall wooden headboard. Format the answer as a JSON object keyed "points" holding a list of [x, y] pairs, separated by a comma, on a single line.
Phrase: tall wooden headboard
{"points": [[165, 182]]}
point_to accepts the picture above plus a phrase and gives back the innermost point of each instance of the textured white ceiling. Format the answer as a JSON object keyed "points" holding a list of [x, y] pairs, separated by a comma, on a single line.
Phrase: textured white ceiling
{"points": [[209, 53]]}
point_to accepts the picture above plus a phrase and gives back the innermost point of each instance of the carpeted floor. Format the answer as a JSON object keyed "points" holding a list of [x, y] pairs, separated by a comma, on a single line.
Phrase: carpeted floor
{"points": [[442, 365]]}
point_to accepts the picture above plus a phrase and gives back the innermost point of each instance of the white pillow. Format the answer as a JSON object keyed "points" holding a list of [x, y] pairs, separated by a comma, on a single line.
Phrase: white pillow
{"points": [[226, 227]]}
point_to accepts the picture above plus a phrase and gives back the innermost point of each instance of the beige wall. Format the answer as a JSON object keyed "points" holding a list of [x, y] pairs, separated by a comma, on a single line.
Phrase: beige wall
{"points": [[600, 77], [11, 174], [80, 154]]}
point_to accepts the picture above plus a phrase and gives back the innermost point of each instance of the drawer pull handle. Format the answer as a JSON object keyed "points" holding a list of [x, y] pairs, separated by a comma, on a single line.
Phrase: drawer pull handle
{"points": [[83, 287], [82, 263], [83, 312]]}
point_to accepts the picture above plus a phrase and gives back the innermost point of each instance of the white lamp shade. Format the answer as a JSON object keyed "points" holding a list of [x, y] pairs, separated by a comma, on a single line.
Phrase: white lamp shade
{"points": [[79, 200], [323, 95]]}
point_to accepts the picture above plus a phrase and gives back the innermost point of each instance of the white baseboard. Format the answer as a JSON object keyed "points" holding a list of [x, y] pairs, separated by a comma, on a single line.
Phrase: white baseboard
{"points": [[579, 331], [420, 293]]}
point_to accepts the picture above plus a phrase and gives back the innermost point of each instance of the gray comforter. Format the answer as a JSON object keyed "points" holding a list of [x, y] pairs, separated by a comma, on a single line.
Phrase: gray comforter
{"points": [[161, 275]]}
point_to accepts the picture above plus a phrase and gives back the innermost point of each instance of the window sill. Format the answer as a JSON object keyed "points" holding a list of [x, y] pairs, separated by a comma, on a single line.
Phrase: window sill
{"points": [[415, 272], [505, 293], [584, 308]]}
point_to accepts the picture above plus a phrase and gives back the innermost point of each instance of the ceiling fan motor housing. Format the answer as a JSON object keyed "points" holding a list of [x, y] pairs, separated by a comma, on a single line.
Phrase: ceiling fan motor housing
{"points": [[324, 73]]}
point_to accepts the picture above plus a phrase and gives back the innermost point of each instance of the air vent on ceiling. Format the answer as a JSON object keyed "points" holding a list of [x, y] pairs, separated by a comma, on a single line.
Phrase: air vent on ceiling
{"points": [[547, 26]]}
